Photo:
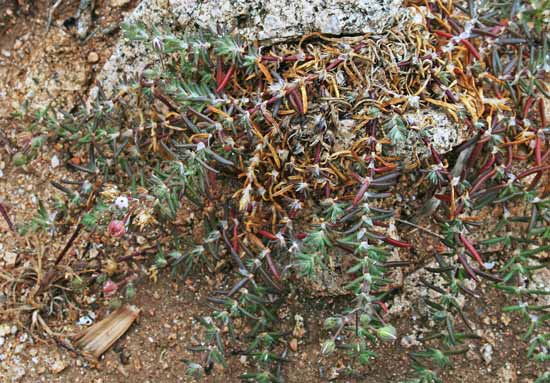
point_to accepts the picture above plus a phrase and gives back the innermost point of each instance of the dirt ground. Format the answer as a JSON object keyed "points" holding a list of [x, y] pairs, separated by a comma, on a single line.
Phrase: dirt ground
{"points": [[43, 65]]}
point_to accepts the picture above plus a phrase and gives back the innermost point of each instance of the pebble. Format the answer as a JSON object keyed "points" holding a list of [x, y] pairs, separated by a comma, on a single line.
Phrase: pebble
{"points": [[293, 344], [119, 3], [93, 57], [6, 53], [55, 161], [58, 366], [18, 44], [19, 348], [487, 353], [10, 258]]}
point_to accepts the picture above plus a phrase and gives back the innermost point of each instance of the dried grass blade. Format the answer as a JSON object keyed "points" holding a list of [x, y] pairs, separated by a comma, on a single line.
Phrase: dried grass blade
{"points": [[98, 338]]}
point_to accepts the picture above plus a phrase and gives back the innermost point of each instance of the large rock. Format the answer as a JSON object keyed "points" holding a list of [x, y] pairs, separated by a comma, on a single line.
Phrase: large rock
{"points": [[267, 21], [271, 22]]}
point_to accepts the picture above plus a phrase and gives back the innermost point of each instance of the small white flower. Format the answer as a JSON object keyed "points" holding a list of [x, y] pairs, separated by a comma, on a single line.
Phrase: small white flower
{"points": [[121, 203], [55, 161], [200, 146]]}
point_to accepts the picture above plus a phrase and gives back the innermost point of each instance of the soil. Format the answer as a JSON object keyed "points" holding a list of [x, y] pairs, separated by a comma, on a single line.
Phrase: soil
{"points": [[154, 348]]}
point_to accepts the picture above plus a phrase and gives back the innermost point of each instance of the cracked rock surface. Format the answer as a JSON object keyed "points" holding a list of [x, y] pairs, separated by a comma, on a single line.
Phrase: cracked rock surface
{"points": [[268, 22]]}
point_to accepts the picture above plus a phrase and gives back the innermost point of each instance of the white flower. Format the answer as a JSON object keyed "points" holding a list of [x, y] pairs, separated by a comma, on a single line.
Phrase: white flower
{"points": [[55, 161], [121, 203]]}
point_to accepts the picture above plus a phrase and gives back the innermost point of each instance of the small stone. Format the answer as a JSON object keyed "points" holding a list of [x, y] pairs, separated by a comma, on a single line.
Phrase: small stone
{"points": [[2, 341], [18, 44], [10, 258], [33, 352], [19, 348], [293, 344], [487, 353], [6, 53], [4, 330], [58, 366], [55, 161], [93, 57], [119, 3]]}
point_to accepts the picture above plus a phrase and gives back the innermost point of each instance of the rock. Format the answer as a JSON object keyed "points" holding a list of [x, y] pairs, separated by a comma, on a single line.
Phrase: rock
{"points": [[4, 330], [54, 161], [93, 57], [58, 366], [293, 344], [10, 258], [487, 353], [119, 3], [19, 348], [267, 21]]}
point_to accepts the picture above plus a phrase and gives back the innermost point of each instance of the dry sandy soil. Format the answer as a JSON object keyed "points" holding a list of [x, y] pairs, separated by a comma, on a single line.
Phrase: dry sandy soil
{"points": [[55, 66]]}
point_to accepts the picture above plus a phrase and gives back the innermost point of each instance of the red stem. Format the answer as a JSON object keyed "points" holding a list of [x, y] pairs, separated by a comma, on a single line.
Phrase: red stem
{"points": [[226, 79], [272, 267], [268, 235], [396, 243], [471, 249], [467, 267]]}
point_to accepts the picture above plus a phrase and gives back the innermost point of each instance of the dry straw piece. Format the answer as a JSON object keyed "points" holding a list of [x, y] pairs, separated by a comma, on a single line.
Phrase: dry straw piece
{"points": [[97, 339]]}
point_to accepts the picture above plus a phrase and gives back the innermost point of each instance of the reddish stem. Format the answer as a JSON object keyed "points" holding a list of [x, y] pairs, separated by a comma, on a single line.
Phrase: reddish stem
{"points": [[471, 249], [361, 192], [471, 48], [268, 235], [272, 267], [527, 106], [235, 236], [533, 170], [467, 267], [226, 79], [396, 243], [4, 214]]}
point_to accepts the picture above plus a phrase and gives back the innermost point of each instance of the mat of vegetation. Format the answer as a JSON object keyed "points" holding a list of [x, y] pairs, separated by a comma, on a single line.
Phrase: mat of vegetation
{"points": [[314, 170]]}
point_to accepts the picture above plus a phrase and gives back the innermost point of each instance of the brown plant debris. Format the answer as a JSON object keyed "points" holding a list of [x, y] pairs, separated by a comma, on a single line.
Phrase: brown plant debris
{"points": [[97, 339]]}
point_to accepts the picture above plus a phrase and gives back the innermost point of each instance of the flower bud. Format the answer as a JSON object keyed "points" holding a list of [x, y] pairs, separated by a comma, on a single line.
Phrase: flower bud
{"points": [[116, 228], [109, 288]]}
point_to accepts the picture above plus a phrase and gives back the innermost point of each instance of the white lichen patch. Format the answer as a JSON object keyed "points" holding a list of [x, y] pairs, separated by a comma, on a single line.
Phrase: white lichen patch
{"points": [[435, 126]]}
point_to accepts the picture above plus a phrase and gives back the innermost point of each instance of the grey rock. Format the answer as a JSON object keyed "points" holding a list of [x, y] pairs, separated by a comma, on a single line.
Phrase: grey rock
{"points": [[268, 22]]}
